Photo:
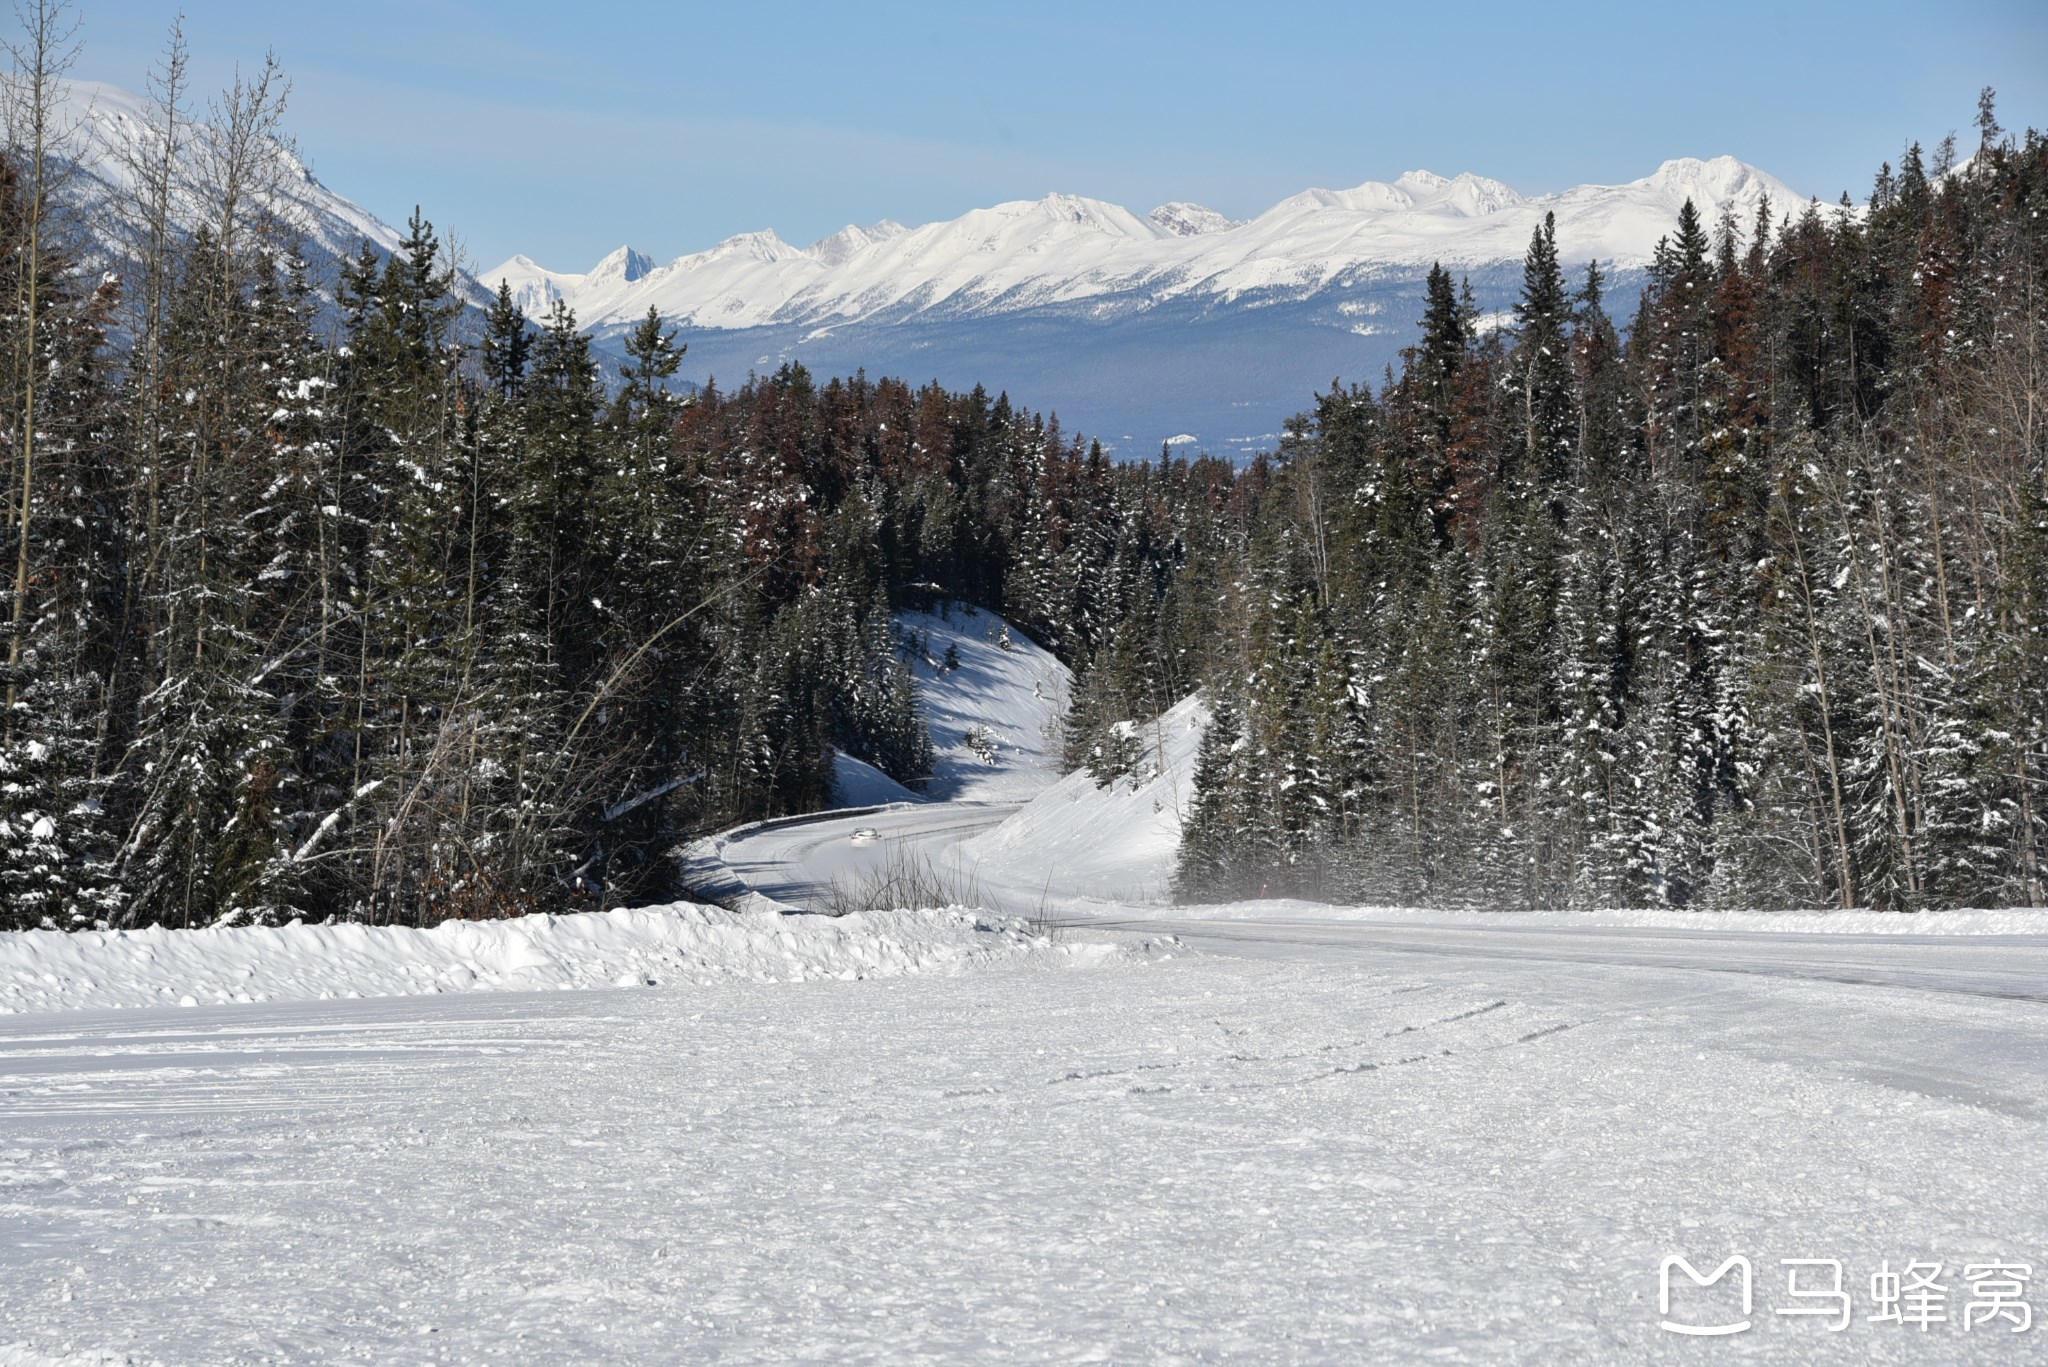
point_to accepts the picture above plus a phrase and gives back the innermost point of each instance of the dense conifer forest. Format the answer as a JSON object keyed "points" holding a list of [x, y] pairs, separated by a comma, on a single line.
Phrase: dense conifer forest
{"points": [[1740, 605], [345, 598], [341, 598]]}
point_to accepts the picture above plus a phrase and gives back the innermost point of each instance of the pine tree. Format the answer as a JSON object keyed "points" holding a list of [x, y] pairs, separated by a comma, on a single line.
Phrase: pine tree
{"points": [[1217, 861], [1543, 370]]}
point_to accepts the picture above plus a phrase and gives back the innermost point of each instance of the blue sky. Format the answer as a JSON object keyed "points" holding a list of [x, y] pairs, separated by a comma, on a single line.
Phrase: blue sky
{"points": [[563, 130]]}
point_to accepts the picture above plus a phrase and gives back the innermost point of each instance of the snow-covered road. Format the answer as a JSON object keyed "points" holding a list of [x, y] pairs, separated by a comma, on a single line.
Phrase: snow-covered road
{"points": [[798, 861], [1208, 1158], [2012, 967]]}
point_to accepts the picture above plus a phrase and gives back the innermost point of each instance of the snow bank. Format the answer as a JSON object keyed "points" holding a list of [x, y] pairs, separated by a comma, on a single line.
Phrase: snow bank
{"points": [[995, 714], [1116, 843], [2012, 921], [651, 946], [856, 783]]}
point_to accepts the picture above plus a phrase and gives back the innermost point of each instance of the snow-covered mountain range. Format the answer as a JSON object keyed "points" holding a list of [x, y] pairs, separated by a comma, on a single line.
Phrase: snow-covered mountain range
{"points": [[1064, 249], [1135, 327], [1179, 324]]}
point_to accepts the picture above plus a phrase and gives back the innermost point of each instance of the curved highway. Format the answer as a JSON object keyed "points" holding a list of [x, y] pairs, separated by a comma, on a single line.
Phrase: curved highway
{"points": [[805, 861], [802, 863], [1962, 1018]]}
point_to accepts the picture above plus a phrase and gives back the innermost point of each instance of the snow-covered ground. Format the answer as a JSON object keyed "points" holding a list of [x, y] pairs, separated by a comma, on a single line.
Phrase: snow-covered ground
{"points": [[671, 946], [1201, 1159], [1263, 1132]]}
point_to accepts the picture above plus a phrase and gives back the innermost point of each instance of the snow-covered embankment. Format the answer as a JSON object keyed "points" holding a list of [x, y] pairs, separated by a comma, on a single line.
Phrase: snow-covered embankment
{"points": [[649, 946], [1078, 841]]}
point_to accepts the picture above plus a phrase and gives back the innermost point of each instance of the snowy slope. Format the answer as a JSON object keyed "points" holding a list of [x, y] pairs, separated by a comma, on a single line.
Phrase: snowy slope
{"points": [[856, 783], [1118, 843], [994, 718], [111, 136]]}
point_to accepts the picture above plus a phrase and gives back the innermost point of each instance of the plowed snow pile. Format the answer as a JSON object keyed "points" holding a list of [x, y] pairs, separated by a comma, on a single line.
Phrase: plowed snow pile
{"points": [[645, 947]]}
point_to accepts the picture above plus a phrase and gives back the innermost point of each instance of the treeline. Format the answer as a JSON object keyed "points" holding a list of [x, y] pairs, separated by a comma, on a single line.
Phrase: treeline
{"points": [[334, 598], [1742, 606]]}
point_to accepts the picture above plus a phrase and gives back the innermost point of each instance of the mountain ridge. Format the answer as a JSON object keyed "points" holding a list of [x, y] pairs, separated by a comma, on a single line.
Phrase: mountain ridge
{"points": [[1064, 248]]}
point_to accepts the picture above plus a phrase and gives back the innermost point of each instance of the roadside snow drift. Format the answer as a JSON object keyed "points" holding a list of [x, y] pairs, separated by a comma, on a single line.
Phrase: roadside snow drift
{"points": [[1117, 843], [46, 970]]}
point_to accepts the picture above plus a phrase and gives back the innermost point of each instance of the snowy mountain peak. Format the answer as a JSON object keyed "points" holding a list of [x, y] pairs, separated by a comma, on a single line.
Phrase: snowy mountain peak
{"points": [[103, 108], [534, 287], [1472, 196], [1465, 195], [624, 266], [1372, 197], [1692, 170], [1183, 219], [1722, 182], [1097, 214], [853, 238], [760, 246]]}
